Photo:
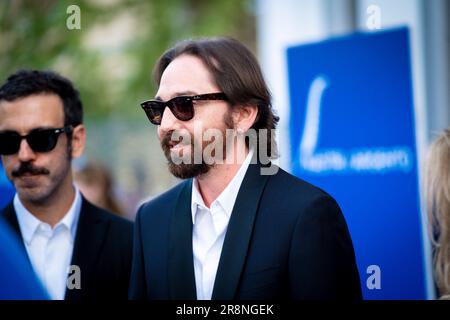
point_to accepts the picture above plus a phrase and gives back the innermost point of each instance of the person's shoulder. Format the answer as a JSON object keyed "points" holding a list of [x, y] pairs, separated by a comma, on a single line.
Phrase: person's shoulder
{"points": [[104, 215], [290, 184], [304, 199], [164, 201], [16, 275]]}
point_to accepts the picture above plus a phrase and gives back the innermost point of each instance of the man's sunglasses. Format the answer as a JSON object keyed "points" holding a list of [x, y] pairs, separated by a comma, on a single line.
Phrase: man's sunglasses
{"points": [[182, 107], [39, 140]]}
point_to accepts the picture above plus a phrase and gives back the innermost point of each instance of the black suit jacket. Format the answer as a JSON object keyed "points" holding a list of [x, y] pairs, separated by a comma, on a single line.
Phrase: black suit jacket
{"points": [[286, 239], [102, 250]]}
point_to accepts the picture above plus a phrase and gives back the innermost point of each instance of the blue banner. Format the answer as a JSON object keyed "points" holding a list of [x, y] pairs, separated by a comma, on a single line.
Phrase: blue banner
{"points": [[352, 132]]}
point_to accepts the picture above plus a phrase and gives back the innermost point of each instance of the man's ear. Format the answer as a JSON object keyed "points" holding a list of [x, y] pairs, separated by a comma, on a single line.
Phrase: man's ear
{"points": [[244, 117], [78, 140]]}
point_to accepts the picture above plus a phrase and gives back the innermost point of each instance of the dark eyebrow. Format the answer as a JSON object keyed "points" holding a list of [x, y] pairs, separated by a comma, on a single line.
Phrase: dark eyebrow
{"points": [[34, 129], [178, 94]]}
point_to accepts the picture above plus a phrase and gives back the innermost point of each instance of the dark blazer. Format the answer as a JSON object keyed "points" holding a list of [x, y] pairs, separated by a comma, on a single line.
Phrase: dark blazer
{"points": [[286, 239], [102, 250]]}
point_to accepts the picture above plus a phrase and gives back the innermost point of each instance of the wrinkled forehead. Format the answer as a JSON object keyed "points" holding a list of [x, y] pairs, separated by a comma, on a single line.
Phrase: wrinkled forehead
{"points": [[186, 74], [35, 111]]}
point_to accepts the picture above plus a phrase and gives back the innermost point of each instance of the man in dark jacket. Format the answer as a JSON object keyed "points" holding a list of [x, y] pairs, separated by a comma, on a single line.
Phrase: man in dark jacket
{"points": [[77, 250], [235, 228]]}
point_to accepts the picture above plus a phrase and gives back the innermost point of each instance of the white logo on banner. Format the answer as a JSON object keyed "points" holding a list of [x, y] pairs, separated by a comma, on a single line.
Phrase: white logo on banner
{"points": [[369, 160]]}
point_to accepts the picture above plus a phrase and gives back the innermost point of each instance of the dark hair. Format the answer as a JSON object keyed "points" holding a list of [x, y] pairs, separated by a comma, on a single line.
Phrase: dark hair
{"points": [[235, 71], [24, 83]]}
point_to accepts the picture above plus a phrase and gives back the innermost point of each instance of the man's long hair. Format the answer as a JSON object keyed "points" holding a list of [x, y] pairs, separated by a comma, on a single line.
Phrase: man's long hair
{"points": [[236, 72]]}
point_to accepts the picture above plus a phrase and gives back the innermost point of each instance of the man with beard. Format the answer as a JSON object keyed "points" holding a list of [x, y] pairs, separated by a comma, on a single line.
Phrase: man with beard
{"points": [[233, 229], [77, 250]]}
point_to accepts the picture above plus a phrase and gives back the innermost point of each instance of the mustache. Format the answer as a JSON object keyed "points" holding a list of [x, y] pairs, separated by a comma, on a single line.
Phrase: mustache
{"points": [[27, 167], [167, 141]]}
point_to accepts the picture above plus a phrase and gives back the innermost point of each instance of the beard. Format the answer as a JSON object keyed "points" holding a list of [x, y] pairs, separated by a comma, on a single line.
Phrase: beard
{"points": [[185, 170], [191, 169]]}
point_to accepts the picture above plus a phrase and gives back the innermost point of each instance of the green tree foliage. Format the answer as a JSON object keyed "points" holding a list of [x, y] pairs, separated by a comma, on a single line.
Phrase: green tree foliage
{"points": [[110, 59]]}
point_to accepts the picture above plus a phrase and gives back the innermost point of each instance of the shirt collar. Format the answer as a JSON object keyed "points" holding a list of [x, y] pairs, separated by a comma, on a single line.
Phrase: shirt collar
{"points": [[28, 223], [228, 196]]}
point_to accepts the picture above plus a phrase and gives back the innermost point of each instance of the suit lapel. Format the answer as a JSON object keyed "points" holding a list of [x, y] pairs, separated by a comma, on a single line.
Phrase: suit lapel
{"points": [[90, 235], [237, 238], [10, 216], [181, 261]]}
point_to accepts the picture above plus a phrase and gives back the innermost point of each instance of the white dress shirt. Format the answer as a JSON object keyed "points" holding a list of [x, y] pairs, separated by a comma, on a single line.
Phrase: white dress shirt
{"points": [[50, 249], [210, 225]]}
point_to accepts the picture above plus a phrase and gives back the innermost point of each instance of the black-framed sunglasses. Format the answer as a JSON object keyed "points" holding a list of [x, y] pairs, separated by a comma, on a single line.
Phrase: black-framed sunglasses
{"points": [[39, 140], [182, 107]]}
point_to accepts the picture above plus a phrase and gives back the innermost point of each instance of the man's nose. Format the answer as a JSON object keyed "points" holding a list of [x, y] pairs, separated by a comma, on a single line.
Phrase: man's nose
{"points": [[25, 153], [168, 123]]}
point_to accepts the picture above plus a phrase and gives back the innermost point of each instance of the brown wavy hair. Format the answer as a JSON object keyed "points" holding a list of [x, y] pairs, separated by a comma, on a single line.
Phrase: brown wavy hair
{"points": [[236, 72], [438, 195]]}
